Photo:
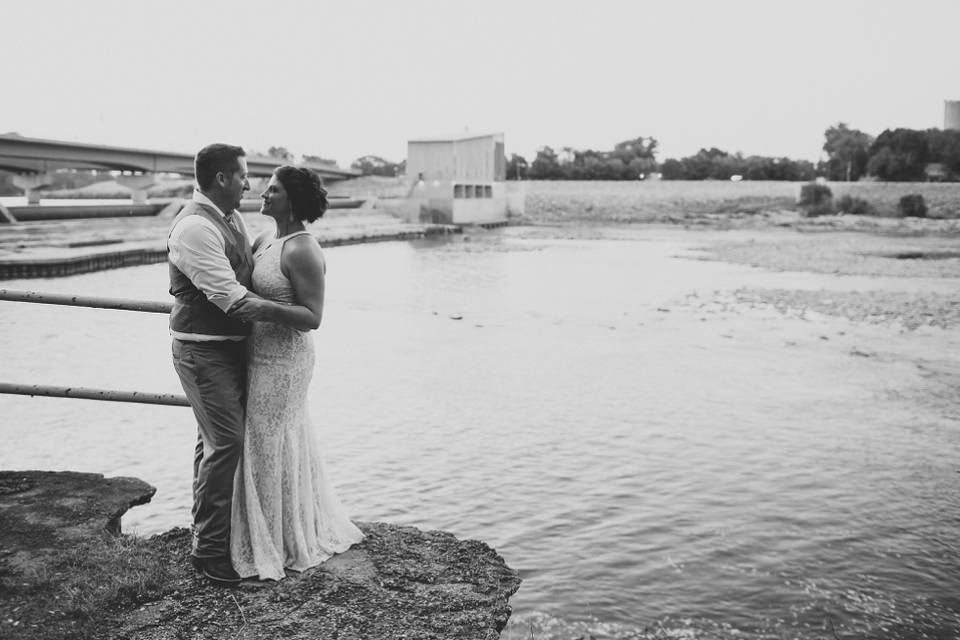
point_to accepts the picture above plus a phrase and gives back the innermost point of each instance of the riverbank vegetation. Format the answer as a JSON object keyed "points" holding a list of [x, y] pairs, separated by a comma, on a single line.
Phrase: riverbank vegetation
{"points": [[896, 155], [683, 202]]}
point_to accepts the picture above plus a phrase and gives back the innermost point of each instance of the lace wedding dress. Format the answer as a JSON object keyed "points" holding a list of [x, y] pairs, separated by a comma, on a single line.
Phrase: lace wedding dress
{"points": [[286, 513]]}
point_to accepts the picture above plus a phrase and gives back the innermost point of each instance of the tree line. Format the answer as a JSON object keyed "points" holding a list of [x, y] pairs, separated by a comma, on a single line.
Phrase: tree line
{"points": [[629, 160], [636, 160], [896, 155]]}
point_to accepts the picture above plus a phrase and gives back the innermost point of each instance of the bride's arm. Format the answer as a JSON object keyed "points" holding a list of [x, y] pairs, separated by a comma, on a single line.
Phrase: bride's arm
{"points": [[302, 263]]}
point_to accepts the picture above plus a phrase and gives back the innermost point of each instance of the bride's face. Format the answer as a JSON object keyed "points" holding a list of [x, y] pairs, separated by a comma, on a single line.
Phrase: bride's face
{"points": [[275, 202]]}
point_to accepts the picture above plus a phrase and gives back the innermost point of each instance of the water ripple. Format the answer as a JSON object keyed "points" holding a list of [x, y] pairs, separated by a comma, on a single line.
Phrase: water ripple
{"points": [[655, 465]]}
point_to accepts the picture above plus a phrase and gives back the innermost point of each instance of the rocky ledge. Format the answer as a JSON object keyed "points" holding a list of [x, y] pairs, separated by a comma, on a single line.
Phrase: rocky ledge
{"points": [[67, 572]]}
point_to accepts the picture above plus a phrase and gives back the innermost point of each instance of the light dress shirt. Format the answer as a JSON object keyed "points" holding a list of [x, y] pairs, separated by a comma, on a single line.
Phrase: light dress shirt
{"points": [[197, 248]]}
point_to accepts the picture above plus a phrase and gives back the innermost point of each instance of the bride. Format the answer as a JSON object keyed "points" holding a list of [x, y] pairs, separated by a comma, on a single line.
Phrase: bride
{"points": [[286, 514]]}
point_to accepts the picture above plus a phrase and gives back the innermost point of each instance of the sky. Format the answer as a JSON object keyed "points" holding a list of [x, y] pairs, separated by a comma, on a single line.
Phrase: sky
{"points": [[351, 78]]}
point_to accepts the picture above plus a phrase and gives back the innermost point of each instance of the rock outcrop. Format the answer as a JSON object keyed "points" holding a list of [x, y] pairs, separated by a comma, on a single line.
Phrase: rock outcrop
{"points": [[399, 582], [42, 512]]}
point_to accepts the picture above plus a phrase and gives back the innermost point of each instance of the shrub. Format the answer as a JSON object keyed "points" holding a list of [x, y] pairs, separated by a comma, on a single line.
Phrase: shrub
{"points": [[816, 199], [912, 206], [854, 205]]}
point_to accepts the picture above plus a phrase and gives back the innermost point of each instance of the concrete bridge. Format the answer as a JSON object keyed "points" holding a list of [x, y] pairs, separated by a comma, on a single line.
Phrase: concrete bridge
{"points": [[33, 161]]}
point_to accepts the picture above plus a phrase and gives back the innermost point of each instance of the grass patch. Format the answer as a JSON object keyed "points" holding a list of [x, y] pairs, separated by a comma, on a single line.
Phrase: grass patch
{"points": [[74, 590], [110, 573]]}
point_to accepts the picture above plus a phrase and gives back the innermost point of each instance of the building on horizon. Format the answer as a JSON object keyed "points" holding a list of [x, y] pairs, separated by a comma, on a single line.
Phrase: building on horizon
{"points": [[458, 179], [951, 115]]}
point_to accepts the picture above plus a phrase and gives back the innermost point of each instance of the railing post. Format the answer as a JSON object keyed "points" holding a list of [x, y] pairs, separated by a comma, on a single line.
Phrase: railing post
{"points": [[5, 215]]}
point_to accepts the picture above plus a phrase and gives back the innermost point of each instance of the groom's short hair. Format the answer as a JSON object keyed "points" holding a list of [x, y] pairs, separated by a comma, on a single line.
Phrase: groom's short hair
{"points": [[213, 159]]}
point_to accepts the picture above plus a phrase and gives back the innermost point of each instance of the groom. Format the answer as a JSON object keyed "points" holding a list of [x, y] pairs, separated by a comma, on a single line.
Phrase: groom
{"points": [[210, 269]]}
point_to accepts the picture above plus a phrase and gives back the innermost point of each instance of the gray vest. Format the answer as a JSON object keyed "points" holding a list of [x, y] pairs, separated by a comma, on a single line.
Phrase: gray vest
{"points": [[192, 312]]}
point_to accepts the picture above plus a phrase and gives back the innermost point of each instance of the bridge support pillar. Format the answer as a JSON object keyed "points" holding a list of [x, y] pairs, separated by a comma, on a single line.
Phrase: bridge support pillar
{"points": [[5, 215], [30, 182], [138, 185]]}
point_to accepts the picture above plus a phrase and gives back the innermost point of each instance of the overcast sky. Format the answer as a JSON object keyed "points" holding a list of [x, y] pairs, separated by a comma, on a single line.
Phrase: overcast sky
{"points": [[350, 78]]}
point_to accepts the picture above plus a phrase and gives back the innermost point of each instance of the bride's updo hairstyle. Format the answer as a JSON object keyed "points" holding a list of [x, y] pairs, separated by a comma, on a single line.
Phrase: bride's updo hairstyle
{"points": [[308, 198]]}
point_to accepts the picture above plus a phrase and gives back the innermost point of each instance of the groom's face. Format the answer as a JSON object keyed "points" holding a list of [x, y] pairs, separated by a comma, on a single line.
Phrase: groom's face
{"points": [[237, 183]]}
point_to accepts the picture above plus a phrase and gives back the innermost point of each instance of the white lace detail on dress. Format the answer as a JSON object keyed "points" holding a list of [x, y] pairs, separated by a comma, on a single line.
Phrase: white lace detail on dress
{"points": [[286, 513]]}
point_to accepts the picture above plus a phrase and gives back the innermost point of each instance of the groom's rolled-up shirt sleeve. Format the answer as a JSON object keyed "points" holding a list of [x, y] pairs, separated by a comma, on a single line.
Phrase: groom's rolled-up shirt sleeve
{"points": [[197, 249]]}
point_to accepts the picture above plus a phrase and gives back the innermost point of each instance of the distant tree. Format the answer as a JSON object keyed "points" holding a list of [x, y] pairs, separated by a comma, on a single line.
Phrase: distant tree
{"points": [[585, 165], [794, 170], [568, 155], [765, 168], [637, 158], [848, 151], [609, 168], [884, 164], [545, 166], [517, 167], [641, 168], [899, 155], [724, 166], [716, 164], [672, 169], [280, 153], [637, 148], [702, 165], [318, 159], [377, 166], [944, 147]]}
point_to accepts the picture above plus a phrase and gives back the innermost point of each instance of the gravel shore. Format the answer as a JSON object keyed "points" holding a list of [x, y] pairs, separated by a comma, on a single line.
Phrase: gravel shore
{"points": [[919, 263], [909, 267]]}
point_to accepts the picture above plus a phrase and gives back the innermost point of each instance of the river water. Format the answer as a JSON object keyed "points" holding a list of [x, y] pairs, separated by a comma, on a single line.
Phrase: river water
{"points": [[652, 459], [21, 201]]}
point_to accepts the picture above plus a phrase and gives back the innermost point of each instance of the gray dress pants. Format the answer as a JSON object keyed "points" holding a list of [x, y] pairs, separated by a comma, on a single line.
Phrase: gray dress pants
{"points": [[214, 378]]}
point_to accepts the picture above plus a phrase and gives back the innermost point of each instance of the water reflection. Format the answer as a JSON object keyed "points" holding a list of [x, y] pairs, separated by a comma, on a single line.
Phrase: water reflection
{"points": [[648, 458]]}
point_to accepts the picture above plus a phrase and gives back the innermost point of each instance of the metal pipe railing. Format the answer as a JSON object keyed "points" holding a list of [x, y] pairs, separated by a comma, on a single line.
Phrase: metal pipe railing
{"points": [[94, 394], [123, 304]]}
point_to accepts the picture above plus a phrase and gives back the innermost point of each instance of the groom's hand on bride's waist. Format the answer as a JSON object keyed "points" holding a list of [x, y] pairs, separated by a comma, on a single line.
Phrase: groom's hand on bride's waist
{"points": [[250, 308]]}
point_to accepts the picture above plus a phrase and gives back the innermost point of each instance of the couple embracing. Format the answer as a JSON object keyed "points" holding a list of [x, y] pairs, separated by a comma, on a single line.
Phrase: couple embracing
{"points": [[242, 349]]}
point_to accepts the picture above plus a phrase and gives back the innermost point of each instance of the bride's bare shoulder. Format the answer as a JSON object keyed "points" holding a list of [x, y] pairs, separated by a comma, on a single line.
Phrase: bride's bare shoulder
{"points": [[303, 251]]}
